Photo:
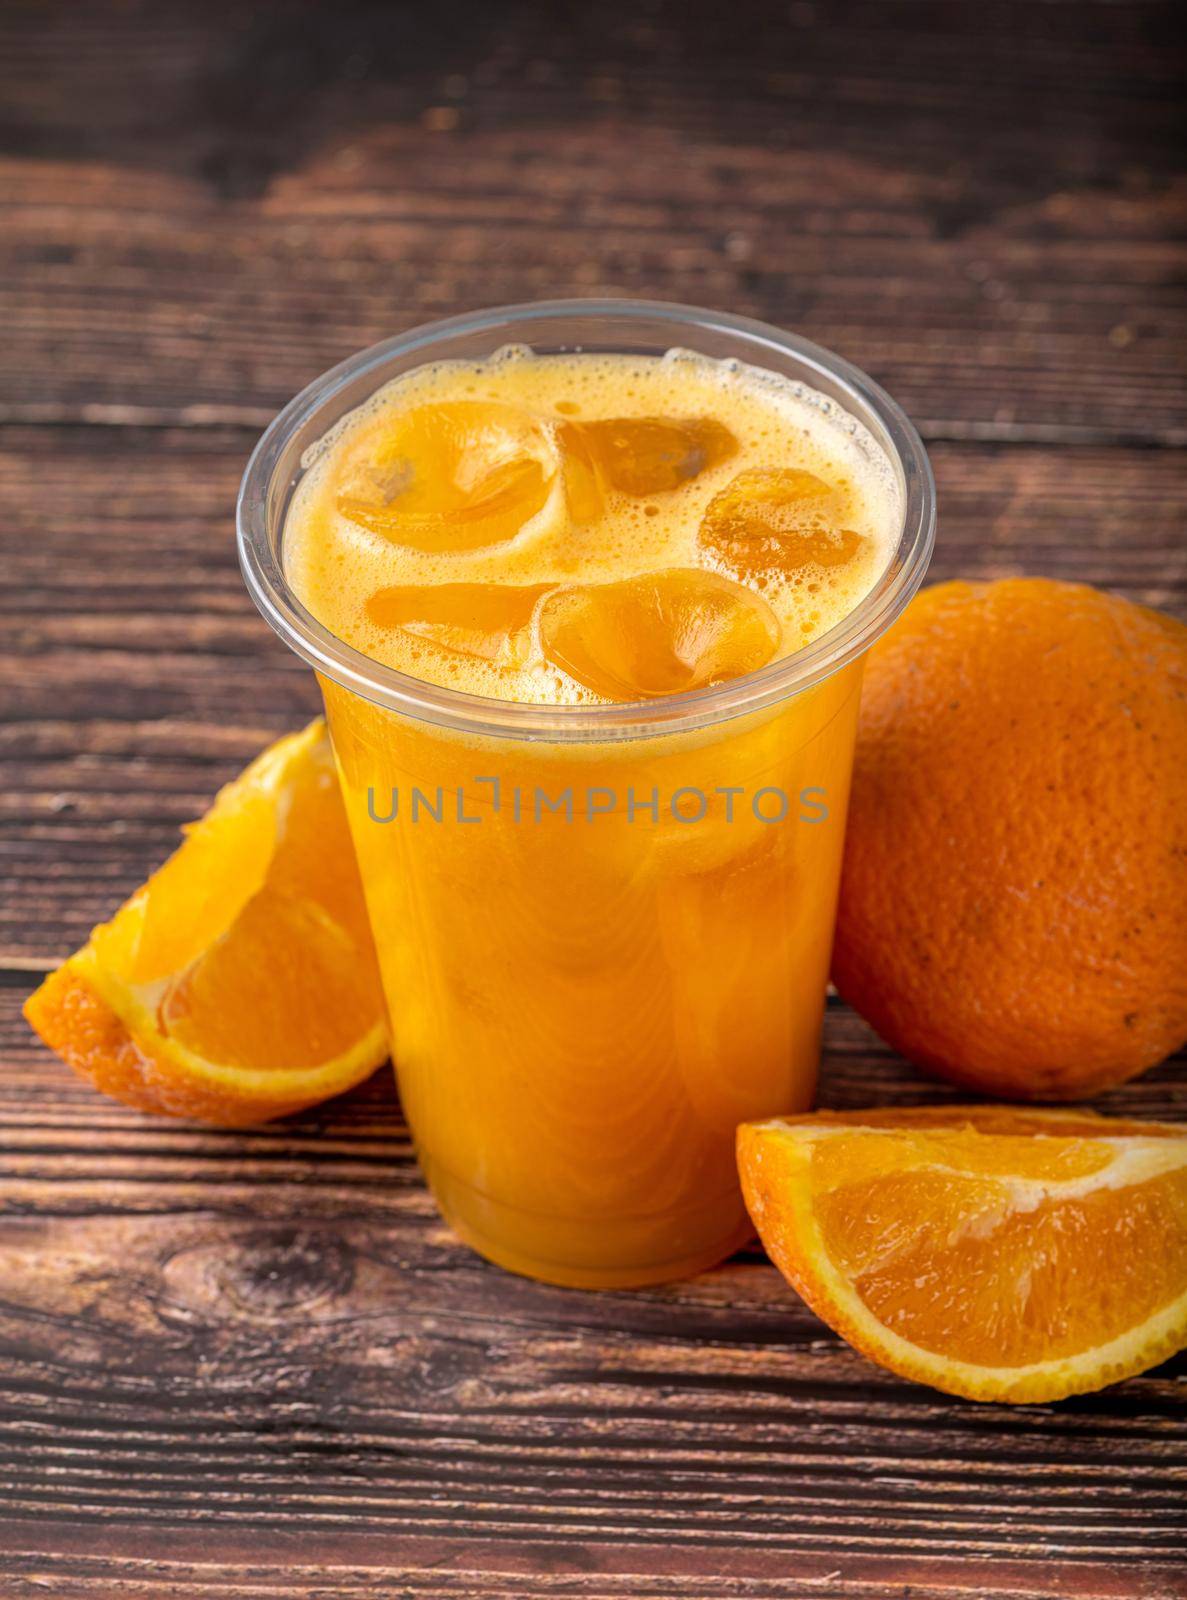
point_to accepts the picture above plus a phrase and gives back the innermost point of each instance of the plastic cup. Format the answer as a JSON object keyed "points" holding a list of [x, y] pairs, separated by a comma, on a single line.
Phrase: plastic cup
{"points": [[604, 931]]}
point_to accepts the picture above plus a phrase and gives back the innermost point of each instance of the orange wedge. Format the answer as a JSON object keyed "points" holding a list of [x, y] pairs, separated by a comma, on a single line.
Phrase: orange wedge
{"points": [[239, 983], [994, 1253]]}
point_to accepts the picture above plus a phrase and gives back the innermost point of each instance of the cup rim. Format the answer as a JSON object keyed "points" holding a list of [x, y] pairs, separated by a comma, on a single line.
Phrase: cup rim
{"points": [[260, 557]]}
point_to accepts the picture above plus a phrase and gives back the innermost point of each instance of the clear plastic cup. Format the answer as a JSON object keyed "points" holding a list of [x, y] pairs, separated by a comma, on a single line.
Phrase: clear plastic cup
{"points": [[586, 997]]}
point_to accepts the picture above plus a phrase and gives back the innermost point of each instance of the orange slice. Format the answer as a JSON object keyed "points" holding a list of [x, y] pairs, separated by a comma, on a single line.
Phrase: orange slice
{"points": [[239, 983], [993, 1253]]}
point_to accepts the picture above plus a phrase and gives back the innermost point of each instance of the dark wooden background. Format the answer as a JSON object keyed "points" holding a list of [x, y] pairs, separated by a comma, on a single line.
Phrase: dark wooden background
{"points": [[255, 1364]]}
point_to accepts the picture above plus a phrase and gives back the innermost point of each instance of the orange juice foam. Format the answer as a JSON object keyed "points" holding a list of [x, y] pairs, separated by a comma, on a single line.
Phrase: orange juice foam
{"points": [[542, 473]]}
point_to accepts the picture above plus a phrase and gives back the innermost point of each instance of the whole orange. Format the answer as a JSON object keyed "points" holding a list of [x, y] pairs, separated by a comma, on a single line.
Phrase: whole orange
{"points": [[1013, 911]]}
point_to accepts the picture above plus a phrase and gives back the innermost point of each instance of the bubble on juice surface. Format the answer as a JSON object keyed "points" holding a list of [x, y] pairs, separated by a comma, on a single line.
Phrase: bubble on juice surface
{"points": [[453, 476], [484, 621], [641, 456], [777, 524], [676, 629]]}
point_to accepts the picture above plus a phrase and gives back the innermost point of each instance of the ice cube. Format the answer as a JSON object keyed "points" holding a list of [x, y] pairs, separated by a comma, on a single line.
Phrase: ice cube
{"points": [[454, 476], [774, 523], [487, 621], [640, 456], [584, 499], [675, 629]]}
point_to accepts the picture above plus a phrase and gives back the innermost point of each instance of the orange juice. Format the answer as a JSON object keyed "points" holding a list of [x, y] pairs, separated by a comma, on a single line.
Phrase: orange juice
{"points": [[600, 841]]}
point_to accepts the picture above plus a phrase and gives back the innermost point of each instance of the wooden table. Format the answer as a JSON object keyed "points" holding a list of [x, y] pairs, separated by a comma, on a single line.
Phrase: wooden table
{"points": [[256, 1364]]}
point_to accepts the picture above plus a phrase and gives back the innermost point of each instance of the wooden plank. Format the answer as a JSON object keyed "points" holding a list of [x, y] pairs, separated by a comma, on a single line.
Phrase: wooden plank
{"points": [[137, 677], [256, 1364], [965, 334], [247, 200], [271, 1333], [174, 1566], [37, 1093]]}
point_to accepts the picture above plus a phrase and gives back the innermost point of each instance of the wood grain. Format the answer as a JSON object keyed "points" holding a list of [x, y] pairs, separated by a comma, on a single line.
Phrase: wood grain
{"points": [[256, 1364], [977, 204], [139, 677], [273, 1331]]}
